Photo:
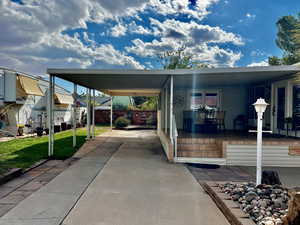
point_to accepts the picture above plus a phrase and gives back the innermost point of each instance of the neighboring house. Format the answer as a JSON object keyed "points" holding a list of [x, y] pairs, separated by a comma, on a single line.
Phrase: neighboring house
{"points": [[104, 102], [23, 102], [194, 106]]}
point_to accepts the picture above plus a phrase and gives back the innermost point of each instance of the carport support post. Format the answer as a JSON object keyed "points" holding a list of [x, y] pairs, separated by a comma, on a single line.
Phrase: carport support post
{"points": [[74, 115], [94, 103], [171, 108], [50, 115], [166, 109], [88, 117], [111, 113]]}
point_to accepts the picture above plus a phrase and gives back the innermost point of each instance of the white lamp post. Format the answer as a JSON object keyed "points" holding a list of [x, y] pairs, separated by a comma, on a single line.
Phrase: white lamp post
{"points": [[260, 107]]}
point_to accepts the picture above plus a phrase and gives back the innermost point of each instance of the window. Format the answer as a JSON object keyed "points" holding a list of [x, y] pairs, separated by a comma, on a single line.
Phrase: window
{"points": [[196, 100], [207, 99]]}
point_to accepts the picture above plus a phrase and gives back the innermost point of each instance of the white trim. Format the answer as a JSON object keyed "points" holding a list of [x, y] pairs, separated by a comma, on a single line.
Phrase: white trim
{"points": [[217, 161]]}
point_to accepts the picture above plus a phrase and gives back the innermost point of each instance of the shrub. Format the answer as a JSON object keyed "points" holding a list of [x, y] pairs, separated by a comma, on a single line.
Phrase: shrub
{"points": [[121, 122]]}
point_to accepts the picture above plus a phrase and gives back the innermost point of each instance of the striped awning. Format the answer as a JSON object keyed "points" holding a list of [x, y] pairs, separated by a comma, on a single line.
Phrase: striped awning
{"points": [[63, 99], [29, 86]]}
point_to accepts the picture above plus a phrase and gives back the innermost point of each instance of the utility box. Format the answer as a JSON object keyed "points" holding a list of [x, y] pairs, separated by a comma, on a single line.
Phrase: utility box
{"points": [[10, 86]]}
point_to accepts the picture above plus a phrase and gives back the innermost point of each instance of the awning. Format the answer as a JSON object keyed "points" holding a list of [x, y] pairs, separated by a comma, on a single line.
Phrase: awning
{"points": [[29, 86], [147, 82], [63, 99]]}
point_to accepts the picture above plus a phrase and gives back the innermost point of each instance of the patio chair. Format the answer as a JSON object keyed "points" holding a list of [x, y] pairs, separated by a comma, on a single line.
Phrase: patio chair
{"points": [[199, 121]]}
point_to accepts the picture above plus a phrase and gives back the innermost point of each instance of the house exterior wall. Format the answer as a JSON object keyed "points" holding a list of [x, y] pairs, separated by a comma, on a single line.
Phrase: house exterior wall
{"points": [[33, 109], [273, 155], [1, 86], [233, 100]]}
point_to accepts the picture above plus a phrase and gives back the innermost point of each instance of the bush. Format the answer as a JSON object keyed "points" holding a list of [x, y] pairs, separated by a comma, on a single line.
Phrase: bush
{"points": [[121, 122]]}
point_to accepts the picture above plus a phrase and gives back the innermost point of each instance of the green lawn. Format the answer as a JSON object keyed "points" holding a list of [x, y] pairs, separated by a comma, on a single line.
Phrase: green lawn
{"points": [[22, 153]]}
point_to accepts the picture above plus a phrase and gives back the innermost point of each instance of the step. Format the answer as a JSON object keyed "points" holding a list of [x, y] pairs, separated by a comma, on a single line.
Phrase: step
{"points": [[200, 147], [201, 154], [214, 161], [196, 140]]}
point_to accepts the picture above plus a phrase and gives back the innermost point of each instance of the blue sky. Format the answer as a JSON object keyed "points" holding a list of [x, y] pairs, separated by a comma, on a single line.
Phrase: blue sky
{"points": [[133, 33]]}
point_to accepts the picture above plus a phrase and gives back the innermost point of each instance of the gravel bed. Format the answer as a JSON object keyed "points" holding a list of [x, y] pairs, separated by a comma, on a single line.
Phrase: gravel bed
{"points": [[265, 204]]}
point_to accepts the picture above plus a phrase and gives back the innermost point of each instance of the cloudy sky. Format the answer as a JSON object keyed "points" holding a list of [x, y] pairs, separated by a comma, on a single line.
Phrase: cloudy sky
{"points": [[132, 33]]}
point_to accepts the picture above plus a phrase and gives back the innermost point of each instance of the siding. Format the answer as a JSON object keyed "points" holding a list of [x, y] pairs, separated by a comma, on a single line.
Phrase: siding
{"points": [[245, 155]]}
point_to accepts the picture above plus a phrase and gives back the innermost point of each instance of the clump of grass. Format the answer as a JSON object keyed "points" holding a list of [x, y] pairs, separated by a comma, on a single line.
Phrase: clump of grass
{"points": [[22, 153]]}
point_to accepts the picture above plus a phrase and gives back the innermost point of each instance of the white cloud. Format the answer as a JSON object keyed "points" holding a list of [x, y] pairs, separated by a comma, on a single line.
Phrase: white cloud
{"points": [[32, 38], [262, 63], [194, 32], [167, 7], [138, 29], [118, 30], [250, 16], [199, 40], [32, 33], [203, 53]]}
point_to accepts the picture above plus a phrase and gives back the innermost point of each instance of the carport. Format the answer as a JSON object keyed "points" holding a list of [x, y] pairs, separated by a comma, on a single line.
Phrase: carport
{"points": [[117, 83], [162, 83]]}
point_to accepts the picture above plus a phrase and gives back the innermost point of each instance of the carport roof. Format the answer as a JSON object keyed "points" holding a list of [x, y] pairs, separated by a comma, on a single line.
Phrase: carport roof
{"points": [[137, 82]]}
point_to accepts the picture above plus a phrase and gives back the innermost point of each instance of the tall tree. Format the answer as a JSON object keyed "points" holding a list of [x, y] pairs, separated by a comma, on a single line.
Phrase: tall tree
{"points": [[288, 40]]}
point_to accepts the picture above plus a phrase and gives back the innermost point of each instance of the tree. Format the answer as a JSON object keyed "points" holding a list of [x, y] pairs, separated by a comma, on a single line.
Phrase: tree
{"points": [[285, 35], [288, 40], [274, 61], [178, 59]]}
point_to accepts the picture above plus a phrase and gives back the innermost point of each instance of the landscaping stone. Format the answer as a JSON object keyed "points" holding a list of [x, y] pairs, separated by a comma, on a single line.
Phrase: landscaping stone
{"points": [[265, 204]]}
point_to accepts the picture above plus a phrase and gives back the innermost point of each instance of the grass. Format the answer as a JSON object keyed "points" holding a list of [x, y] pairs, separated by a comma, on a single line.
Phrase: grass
{"points": [[22, 153]]}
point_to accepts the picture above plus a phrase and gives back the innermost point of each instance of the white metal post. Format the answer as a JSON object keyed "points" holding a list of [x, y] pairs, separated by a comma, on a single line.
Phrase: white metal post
{"points": [[166, 110], [53, 114], [74, 115], [259, 148], [94, 103], [171, 108], [111, 113], [49, 113], [88, 119]]}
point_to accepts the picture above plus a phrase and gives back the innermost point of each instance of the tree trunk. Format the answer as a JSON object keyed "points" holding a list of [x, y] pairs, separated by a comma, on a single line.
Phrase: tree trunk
{"points": [[293, 216]]}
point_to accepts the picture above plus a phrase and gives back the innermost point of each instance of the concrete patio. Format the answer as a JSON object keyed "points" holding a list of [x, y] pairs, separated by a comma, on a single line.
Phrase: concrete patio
{"points": [[125, 181]]}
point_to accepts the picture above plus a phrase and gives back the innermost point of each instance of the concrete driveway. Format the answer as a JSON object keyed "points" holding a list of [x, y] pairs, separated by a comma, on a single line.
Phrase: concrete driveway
{"points": [[125, 181]]}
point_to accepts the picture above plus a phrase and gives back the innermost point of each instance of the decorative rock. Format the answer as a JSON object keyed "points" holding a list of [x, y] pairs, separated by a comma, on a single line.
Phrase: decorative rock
{"points": [[250, 196], [265, 204]]}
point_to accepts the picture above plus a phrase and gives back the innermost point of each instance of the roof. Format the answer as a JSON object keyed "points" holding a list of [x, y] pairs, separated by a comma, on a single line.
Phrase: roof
{"points": [[139, 82]]}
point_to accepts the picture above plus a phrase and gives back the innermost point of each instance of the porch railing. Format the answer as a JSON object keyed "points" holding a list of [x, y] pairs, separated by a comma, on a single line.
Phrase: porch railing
{"points": [[174, 135]]}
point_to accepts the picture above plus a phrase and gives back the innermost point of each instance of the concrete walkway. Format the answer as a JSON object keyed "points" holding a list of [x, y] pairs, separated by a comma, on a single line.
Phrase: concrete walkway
{"points": [[125, 181], [137, 186]]}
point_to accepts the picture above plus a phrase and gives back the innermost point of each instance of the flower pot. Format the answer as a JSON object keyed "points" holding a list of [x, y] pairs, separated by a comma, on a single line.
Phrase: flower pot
{"points": [[39, 131]]}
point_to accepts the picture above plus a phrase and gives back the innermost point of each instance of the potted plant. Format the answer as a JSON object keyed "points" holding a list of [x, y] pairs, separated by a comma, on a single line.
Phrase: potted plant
{"points": [[20, 129], [39, 131]]}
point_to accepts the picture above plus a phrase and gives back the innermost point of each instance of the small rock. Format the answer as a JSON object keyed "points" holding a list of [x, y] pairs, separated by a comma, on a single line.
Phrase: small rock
{"points": [[250, 196]]}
